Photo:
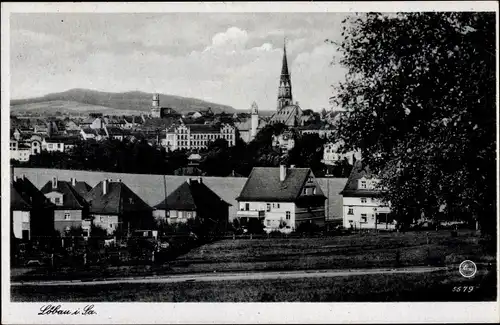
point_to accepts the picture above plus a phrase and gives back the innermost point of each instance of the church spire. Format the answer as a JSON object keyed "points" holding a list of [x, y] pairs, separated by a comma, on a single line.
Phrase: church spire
{"points": [[285, 87]]}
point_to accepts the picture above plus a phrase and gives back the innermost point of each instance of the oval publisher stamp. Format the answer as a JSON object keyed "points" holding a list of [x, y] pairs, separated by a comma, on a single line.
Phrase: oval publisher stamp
{"points": [[467, 269]]}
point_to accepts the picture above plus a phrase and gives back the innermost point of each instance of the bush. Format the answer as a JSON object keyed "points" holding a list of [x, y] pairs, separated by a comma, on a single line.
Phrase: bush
{"points": [[308, 227]]}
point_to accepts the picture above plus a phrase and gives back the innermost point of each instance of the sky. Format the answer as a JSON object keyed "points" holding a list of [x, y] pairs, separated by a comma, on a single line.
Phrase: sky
{"points": [[227, 58]]}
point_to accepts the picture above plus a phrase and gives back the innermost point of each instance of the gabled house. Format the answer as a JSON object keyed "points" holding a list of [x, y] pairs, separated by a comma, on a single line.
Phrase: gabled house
{"points": [[81, 187], [114, 206], [40, 219], [20, 211], [194, 200], [362, 207], [59, 143], [71, 209], [282, 197], [95, 134]]}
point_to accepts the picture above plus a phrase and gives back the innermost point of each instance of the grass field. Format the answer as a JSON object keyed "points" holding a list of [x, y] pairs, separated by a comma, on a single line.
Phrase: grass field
{"points": [[278, 254], [438, 286], [353, 251]]}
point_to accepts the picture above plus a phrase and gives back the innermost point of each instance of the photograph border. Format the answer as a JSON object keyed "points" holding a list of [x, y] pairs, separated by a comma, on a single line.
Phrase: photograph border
{"points": [[26, 313]]}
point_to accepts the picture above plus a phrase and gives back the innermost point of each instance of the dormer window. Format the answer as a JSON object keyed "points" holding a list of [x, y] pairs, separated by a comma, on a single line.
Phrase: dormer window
{"points": [[362, 184]]}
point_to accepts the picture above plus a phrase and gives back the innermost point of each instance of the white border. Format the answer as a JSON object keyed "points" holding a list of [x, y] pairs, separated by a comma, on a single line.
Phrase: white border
{"points": [[227, 312]]}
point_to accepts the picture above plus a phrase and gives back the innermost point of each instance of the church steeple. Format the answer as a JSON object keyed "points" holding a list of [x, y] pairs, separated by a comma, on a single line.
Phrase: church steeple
{"points": [[285, 87]]}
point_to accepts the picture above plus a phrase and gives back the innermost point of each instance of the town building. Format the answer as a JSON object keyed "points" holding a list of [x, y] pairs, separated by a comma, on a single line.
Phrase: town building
{"points": [[93, 134], [362, 206], [284, 141], [198, 136], [332, 154], [59, 143], [323, 129], [249, 127], [71, 209], [19, 151], [281, 197], [114, 206], [32, 213], [193, 200]]}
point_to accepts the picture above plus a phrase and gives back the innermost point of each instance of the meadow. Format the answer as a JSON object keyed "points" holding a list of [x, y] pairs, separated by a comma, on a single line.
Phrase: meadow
{"points": [[436, 286]]}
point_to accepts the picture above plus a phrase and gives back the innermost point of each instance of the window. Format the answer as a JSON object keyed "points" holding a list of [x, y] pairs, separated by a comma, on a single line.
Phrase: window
{"points": [[363, 184], [363, 200], [350, 211], [288, 215], [304, 191], [57, 200], [268, 222], [180, 214], [173, 214], [189, 214], [363, 218], [278, 205], [111, 226], [247, 206], [67, 216], [268, 207]]}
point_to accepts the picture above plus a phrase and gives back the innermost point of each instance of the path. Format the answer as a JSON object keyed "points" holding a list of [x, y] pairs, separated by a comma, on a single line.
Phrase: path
{"points": [[261, 275]]}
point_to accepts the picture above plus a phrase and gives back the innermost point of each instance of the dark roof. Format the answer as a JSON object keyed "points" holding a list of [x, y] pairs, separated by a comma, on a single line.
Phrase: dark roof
{"points": [[17, 203], [62, 139], [82, 188], [119, 199], [203, 128], [264, 184], [351, 187], [71, 198], [193, 196], [31, 194]]}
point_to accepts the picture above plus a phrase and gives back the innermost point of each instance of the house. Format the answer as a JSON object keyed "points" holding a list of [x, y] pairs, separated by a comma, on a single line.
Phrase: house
{"points": [[116, 133], [114, 206], [284, 141], [81, 187], [25, 197], [321, 128], [35, 144], [282, 197], [94, 134], [362, 207], [71, 209], [20, 211], [19, 151], [94, 123], [59, 143], [193, 200], [332, 154]]}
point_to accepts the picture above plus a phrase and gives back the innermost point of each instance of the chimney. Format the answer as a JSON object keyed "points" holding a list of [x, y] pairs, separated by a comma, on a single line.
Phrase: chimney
{"points": [[200, 180], [188, 180], [54, 182], [282, 172], [104, 187], [24, 176], [73, 181]]}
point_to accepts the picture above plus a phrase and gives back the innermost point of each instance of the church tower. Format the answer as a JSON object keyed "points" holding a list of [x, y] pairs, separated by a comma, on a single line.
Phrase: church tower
{"points": [[254, 121], [285, 87], [155, 106]]}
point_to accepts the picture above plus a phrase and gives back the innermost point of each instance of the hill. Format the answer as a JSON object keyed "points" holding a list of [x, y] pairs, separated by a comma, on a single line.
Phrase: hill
{"points": [[129, 101]]}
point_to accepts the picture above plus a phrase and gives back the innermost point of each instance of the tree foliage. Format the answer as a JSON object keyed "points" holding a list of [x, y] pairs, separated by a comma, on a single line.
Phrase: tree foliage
{"points": [[420, 96]]}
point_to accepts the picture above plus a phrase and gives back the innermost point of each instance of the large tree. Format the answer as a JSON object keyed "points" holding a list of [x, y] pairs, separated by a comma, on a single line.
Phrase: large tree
{"points": [[420, 95]]}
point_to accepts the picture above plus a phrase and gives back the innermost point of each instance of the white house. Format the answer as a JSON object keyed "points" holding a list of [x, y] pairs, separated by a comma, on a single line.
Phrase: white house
{"points": [[281, 197], [362, 208], [19, 151], [331, 154]]}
